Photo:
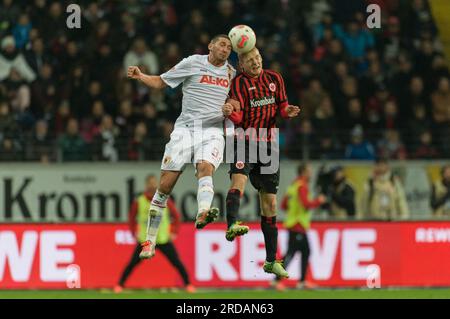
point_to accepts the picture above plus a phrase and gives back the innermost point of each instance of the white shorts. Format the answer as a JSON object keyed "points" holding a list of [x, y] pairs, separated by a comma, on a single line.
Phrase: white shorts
{"points": [[189, 146]]}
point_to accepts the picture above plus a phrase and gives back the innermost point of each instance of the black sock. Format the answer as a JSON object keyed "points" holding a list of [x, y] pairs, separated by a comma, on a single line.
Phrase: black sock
{"points": [[233, 201], [270, 231]]}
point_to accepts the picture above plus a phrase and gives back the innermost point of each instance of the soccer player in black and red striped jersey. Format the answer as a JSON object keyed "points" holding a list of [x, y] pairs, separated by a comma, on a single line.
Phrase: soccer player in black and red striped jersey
{"points": [[257, 96]]}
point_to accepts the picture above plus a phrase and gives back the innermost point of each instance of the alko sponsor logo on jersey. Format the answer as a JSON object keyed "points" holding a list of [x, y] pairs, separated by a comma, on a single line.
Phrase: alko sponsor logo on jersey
{"points": [[215, 80]]}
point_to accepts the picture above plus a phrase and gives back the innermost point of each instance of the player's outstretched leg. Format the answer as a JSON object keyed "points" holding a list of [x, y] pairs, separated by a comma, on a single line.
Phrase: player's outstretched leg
{"points": [[155, 212], [270, 232], [205, 193], [235, 228]]}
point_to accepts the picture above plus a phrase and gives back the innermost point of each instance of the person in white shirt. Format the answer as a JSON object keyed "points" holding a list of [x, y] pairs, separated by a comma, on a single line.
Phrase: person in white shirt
{"points": [[11, 58], [198, 135], [141, 55]]}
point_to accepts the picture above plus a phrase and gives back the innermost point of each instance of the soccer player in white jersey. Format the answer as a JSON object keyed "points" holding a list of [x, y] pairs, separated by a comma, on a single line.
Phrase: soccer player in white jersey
{"points": [[206, 82]]}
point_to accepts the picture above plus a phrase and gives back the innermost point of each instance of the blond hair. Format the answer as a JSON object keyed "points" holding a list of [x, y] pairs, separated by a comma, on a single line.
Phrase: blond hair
{"points": [[241, 56]]}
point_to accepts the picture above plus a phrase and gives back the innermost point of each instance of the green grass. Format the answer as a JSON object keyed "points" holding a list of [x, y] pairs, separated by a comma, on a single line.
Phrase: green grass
{"points": [[234, 294]]}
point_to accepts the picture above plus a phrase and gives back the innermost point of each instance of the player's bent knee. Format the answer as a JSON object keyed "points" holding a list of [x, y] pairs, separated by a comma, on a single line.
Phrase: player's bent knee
{"points": [[204, 169]]}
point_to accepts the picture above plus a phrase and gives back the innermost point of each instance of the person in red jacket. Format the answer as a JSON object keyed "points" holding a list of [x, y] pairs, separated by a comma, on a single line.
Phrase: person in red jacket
{"points": [[168, 231], [298, 205]]}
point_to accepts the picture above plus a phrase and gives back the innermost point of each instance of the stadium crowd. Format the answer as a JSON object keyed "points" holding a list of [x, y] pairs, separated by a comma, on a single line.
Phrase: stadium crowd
{"points": [[64, 95]]}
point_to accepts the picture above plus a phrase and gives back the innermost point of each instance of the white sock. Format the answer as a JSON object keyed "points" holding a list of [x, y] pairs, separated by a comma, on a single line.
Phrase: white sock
{"points": [[158, 204], [205, 193]]}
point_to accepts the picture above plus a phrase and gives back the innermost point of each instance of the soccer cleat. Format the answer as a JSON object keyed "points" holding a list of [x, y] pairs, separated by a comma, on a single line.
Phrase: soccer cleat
{"points": [[118, 289], [148, 250], [306, 285], [206, 217], [275, 267], [236, 229], [279, 286], [190, 289]]}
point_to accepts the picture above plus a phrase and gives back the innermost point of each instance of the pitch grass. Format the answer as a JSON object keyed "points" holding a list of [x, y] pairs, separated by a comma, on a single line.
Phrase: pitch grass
{"points": [[423, 293]]}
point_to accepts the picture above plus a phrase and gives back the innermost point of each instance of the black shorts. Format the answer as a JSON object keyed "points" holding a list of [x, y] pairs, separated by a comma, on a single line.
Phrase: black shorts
{"points": [[251, 165]]}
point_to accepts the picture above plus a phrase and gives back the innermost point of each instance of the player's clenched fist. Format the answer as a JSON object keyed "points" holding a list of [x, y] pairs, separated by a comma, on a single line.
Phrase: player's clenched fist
{"points": [[227, 109], [292, 110], [133, 72]]}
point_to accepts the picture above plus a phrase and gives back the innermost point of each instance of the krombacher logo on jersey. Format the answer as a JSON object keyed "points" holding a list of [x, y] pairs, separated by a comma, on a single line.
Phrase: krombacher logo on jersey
{"points": [[262, 101]]}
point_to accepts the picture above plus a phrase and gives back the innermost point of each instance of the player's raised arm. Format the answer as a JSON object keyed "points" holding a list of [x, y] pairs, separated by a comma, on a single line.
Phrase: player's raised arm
{"points": [[153, 81]]}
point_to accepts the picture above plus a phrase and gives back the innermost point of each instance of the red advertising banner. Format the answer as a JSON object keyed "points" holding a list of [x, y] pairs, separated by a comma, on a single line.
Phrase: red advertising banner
{"points": [[343, 254]]}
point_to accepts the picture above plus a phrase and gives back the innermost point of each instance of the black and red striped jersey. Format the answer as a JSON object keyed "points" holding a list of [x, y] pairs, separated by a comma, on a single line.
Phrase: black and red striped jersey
{"points": [[261, 99]]}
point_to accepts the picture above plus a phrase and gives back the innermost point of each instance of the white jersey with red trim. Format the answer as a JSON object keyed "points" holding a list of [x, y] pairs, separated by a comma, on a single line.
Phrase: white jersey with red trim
{"points": [[205, 90]]}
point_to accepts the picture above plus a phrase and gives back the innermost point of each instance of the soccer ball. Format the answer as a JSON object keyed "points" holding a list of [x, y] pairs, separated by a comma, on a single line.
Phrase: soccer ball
{"points": [[243, 38]]}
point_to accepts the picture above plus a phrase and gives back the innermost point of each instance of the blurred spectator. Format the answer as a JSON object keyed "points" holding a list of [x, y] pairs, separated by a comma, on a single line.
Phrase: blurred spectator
{"points": [[8, 125], [356, 40], [105, 148], [328, 148], [126, 34], [354, 116], [334, 54], [10, 57], [193, 31], [425, 149], [439, 69], [424, 59], [223, 18], [441, 114], [342, 195], [9, 151], [21, 31], [391, 147], [399, 82], [375, 108], [418, 124], [41, 146], [359, 149], [391, 42], [125, 120], [348, 90], [94, 93], [75, 89], [300, 139], [9, 13], [323, 118], [19, 92], [418, 17], [391, 118], [142, 56], [90, 125], [414, 94], [71, 145], [440, 195], [139, 145], [321, 28], [373, 79], [151, 122], [52, 21], [45, 92], [312, 98], [441, 102], [384, 197], [37, 56], [61, 119]]}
